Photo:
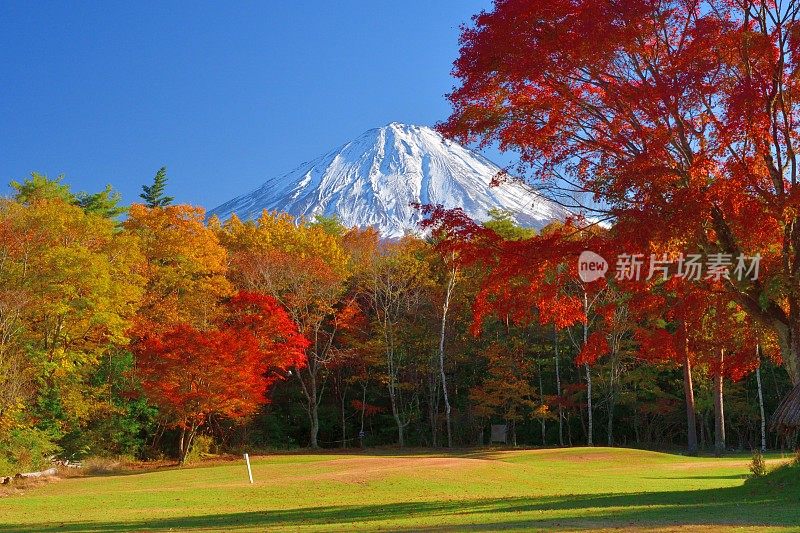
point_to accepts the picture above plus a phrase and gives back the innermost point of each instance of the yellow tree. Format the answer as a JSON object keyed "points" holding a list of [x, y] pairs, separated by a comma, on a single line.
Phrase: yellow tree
{"points": [[69, 285], [506, 391], [186, 266], [394, 286]]}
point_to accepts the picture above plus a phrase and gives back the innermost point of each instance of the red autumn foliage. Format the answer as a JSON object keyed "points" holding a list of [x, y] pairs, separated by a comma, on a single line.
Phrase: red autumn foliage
{"points": [[369, 410], [596, 346], [190, 373], [680, 116]]}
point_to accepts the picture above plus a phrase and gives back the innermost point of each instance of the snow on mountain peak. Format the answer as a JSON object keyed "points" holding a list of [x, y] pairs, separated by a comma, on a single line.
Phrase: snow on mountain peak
{"points": [[374, 179]]}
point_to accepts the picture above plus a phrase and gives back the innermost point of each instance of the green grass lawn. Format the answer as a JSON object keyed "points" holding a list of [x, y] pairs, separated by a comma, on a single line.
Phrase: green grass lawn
{"points": [[568, 489]]}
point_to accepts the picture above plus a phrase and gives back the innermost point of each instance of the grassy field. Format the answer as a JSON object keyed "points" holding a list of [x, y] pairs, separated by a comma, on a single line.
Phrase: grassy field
{"points": [[567, 489]]}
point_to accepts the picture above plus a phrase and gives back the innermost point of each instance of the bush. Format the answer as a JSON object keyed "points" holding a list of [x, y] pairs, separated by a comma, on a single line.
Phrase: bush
{"points": [[758, 466], [202, 446], [98, 466], [25, 449]]}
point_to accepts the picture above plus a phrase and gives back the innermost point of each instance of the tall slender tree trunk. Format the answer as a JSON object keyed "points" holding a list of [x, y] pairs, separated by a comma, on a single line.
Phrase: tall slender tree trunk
{"points": [[396, 413], [558, 390], [610, 426], [589, 432], [185, 442], [541, 400], [181, 440], [363, 412], [312, 403], [445, 307], [688, 392], [590, 422], [393, 400], [719, 409], [344, 420], [761, 402], [433, 406], [314, 419]]}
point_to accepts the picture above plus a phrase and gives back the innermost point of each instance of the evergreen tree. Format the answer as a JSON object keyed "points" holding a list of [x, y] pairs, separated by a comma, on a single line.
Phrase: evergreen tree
{"points": [[153, 195], [40, 187], [104, 203], [330, 225]]}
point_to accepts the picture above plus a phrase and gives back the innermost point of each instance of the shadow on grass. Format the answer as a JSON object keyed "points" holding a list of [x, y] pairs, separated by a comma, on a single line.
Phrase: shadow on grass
{"points": [[731, 476], [758, 503]]}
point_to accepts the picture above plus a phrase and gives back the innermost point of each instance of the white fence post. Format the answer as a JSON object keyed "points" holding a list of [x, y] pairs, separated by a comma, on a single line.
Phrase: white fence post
{"points": [[249, 471]]}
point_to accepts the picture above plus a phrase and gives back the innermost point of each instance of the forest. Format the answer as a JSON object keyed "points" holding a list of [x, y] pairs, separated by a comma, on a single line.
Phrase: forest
{"points": [[151, 332]]}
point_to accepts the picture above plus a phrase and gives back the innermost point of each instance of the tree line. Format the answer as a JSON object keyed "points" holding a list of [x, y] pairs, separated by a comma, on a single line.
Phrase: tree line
{"points": [[136, 330]]}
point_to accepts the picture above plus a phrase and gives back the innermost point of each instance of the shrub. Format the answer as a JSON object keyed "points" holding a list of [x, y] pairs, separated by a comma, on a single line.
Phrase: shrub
{"points": [[98, 466], [201, 447], [758, 466], [25, 449]]}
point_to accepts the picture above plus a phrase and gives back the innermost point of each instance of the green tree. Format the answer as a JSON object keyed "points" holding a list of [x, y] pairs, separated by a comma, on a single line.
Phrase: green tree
{"points": [[503, 223], [104, 203], [40, 187], [153, 195], [330, 225]]}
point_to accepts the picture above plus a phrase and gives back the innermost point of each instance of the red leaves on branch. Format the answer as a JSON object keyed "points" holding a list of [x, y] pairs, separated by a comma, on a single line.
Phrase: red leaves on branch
{"points": [[596, 347], [368, 409], [680, 116], [190, 373]]}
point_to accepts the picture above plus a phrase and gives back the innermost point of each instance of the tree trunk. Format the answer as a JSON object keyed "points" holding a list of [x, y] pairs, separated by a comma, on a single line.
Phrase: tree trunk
{"points": [[450, 285], [185, 442], [401, 440], [761, 402], [312, 403], [789, 341], [541, 400], [589, 441], [395, 408], [433, 406], [590, 421], [514, 433], [344, 420], [558, 390], [612, 400], [313, 417], [688, 391], [363, 412], [719, 410], [181, 458]]}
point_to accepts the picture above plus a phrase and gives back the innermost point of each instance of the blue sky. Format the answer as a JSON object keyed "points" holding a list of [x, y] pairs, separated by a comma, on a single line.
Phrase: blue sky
{"points": [[225, 94]]}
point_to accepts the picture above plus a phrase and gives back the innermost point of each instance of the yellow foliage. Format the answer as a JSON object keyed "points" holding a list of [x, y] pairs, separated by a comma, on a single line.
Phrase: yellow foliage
{"points": [[186, 265]]}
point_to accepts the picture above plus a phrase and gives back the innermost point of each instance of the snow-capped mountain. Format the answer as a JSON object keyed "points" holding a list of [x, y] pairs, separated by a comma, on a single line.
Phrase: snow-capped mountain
{"points": [[374, 180]]}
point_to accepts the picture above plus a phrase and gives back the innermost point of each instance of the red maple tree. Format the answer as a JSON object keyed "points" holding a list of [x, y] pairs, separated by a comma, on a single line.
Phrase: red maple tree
{"points": [[191, 374], [680, 116]]}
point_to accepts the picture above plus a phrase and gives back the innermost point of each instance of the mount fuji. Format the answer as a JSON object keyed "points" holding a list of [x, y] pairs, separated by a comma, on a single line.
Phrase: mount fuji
{"points": [[374, 180]]}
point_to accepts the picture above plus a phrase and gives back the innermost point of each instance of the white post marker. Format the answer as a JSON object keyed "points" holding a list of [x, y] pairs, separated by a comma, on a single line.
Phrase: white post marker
{"points": [[249, 471]]}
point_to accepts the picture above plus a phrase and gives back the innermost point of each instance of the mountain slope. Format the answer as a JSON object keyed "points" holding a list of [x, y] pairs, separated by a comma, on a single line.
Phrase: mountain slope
{"points": [[374, 180]]}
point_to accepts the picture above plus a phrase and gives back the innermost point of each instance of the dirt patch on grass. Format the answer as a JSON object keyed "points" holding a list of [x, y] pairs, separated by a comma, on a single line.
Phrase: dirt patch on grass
{"points": [[23, 485], [722, 463], [576, 455], [365, 469]]}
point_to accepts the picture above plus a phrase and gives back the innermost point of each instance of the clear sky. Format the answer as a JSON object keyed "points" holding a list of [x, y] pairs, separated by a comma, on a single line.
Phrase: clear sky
{"points": [[225, 94]]}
